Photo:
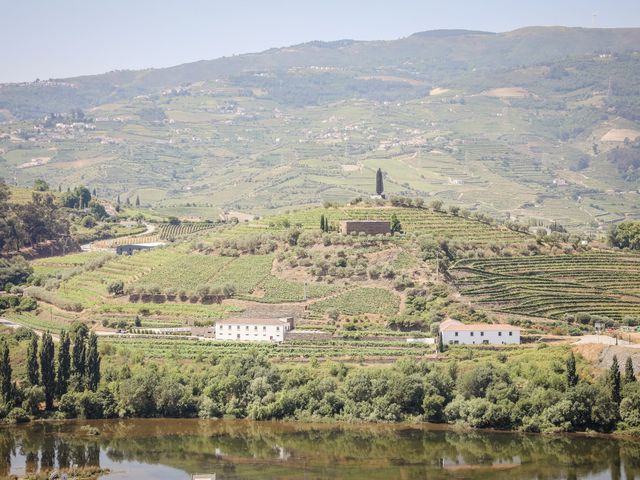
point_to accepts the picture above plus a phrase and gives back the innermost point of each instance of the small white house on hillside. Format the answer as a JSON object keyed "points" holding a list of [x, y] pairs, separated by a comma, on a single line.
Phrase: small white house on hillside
{"points": [[454, 332], [254, 329]]}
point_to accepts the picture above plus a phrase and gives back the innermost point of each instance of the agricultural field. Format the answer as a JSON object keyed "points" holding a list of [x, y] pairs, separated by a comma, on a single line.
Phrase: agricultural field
{"points": [[168, 231], [600, 283], [347, 350], [57, 266], [421, 221], [359, 301]]}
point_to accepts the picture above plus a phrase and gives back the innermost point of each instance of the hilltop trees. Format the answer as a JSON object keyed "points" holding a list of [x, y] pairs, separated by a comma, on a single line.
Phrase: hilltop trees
{"points": [[78, 198]]}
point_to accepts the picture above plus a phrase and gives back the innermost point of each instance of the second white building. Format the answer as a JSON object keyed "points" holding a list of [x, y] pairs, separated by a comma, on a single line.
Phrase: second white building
{"points": [[454, 332]]}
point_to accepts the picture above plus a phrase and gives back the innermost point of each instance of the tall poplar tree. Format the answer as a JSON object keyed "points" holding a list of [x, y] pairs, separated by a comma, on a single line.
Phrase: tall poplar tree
{"points": [[614, 380], [64, 363], [629, 375], [5, 372], [572, 376], [379, 184], [78, 358], [93, 363], [47, 369], [33, 372]]}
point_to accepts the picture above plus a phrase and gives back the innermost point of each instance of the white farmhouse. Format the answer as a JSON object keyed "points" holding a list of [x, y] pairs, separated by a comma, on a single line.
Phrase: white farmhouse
{"points": [[454, 332], [254, 329]]}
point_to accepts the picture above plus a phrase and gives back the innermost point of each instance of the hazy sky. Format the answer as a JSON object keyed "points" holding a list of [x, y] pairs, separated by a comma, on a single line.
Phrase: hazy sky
{"points": [[60, 38]]}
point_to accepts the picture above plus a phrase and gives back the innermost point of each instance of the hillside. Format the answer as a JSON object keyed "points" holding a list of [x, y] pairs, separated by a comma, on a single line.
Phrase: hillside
{"points": [[339, 288], [528, 124]]}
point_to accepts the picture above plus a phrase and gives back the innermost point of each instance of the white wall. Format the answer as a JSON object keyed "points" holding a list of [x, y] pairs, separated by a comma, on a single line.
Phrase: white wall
{"points": [[479, 337], [254, 333]]}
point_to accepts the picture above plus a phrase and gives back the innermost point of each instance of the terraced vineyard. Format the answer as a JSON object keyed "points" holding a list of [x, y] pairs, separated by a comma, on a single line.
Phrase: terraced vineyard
{"points": [[413, 220], [168, 231], [602, 283], [360, 300]]}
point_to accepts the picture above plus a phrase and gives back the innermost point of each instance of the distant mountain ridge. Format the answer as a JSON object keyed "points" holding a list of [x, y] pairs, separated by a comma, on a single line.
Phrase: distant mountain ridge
{"points": [[434, 57]]}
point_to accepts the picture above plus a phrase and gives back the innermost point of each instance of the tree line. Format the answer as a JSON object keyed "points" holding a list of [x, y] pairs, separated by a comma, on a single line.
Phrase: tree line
{"points": [[534, 391], [49, 376]]}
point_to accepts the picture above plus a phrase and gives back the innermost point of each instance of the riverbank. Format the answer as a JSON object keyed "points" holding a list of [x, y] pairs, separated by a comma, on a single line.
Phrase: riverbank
{"points": [[177, 448]]}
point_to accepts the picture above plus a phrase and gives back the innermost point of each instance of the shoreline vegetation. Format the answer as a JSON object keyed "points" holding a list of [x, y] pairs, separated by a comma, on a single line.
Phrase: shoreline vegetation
{"points": [[543, 389]]}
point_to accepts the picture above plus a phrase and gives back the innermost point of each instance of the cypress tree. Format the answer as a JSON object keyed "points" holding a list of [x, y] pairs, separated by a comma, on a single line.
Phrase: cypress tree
{"points": [[322, 223], [137, 200], [572, 376], [33, 372], [629, 375], [440, 344], [379, 184], [93, 363], [47, 369], [5, 371], [64, 363], [614, 380], [118, 199]]}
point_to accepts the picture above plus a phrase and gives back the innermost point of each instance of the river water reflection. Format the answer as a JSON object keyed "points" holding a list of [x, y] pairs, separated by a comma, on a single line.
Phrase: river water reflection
{"points": [[178, 449]]}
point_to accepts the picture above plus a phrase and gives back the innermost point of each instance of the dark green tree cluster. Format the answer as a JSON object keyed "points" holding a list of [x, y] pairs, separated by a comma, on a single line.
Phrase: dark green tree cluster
{"points": [[30, 223], [324, 224], [49, 377], [625, 235], [79, 197]]}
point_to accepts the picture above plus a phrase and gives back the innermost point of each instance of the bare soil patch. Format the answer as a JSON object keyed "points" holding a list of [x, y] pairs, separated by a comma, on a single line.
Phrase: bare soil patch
{"points": [[619, 135], [507, 92]]}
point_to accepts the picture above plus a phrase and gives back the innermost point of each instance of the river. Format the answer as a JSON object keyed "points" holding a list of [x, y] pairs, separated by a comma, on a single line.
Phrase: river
{"points": [[237, 449]]}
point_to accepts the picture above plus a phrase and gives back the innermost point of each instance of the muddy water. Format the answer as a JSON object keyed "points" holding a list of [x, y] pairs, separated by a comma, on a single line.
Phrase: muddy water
{"points": [[178, 449]]}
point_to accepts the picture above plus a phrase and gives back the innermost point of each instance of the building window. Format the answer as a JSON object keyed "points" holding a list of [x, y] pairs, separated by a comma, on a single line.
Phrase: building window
{"points": [[247, 327], [511, 334], [278, 328], [499, 334], [472, 334], [229, 327], [456, 334], [482, 334]]}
